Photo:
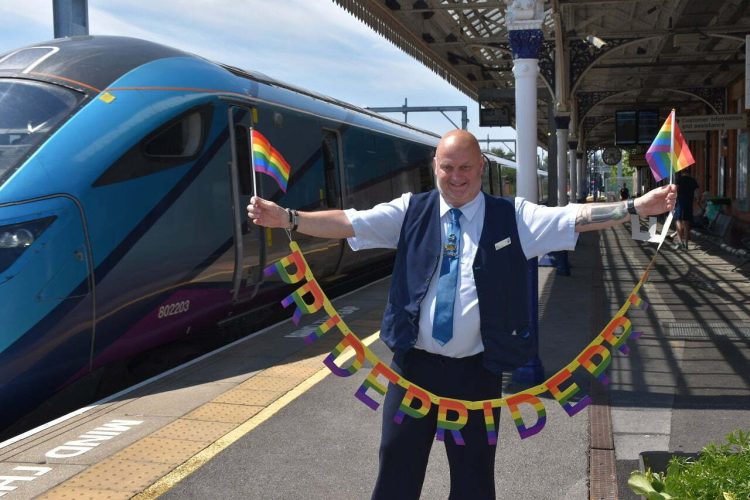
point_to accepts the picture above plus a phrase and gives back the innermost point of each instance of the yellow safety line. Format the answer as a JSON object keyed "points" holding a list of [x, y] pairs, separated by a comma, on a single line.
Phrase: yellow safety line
{"points": [[198, 460]]}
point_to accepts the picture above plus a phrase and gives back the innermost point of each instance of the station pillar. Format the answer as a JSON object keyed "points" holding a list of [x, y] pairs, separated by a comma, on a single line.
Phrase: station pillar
{"points": [[581, 166], [573, 168], [524, 21], [70, 17], [562, 122]]}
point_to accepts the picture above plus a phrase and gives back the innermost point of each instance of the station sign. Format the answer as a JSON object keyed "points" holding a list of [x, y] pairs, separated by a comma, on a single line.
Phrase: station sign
{"points": [[495, 107], [637, 160], [712, 122], [695, 136], [494, 117]]}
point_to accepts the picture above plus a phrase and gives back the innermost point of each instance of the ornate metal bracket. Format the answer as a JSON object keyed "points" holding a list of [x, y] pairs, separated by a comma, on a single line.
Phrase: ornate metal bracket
{"points": [[587, 100], [583, 54]]}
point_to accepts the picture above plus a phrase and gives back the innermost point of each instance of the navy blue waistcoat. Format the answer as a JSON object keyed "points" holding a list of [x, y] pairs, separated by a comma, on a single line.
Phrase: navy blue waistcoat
{"points": [[500, 276]]}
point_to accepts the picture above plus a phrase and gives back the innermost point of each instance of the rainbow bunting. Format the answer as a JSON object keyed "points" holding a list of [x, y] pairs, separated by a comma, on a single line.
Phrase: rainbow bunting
{"points": [[269, 161], [669, 152]]}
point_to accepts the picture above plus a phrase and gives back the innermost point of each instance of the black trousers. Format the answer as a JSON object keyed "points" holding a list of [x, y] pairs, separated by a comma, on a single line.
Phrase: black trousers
{"points": [[405, 447]]}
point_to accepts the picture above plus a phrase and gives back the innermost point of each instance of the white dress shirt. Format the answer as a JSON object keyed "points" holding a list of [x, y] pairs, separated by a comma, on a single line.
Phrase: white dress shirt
{"points": [[541, 230]]}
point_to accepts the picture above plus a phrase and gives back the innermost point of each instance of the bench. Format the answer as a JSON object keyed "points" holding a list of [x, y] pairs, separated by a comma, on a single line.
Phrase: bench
{"points": [[716, 231], [746, 244]]}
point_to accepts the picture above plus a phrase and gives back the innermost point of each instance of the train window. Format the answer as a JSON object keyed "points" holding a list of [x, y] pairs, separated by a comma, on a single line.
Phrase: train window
{"points": [[509, 181], [330, 166], [24, 59], [244, 168], [175, 143], [486, 175], [497, 187], [29, 112], [180, 139]]}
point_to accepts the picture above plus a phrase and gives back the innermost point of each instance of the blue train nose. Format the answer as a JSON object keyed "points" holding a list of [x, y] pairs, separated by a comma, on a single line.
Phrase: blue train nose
{"points": [[46, 301]]}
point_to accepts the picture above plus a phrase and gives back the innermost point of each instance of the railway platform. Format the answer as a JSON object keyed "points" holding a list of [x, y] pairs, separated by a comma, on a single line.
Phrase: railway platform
{"points": [[265, 418]]}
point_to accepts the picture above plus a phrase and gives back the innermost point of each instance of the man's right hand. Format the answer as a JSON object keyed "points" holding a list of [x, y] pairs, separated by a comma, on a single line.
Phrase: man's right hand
{"points": [[267, 213], [323, 224]]}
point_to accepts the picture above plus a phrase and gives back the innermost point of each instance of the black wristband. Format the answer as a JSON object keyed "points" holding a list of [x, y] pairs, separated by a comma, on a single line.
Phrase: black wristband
{"points": [[295, 220], [291, 220], [631, 206]]}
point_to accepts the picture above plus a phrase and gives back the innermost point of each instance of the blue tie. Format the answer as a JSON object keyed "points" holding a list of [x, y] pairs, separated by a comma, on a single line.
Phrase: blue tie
{"points": [[442, 325]]}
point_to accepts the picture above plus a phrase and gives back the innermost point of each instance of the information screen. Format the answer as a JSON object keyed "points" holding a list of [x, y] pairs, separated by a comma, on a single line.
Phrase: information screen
{"points": [[636, 126], [626, 128]]}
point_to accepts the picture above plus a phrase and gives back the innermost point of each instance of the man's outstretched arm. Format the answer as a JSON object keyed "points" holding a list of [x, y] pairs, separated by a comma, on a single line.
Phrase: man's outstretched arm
{"points": [[596, 216], [323, 224]]}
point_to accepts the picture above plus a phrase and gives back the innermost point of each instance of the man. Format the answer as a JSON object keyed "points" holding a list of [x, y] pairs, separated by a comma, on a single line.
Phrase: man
{"points": [[686, 189], [624, 192], [457, 315]]}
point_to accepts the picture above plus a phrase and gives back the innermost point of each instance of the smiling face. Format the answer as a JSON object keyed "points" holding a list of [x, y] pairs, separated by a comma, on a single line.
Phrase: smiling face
{"points": [[458, 167]]}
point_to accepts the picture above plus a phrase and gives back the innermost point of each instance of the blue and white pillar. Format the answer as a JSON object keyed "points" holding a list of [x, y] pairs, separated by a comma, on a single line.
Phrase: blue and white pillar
{"points": [[524, 20]]}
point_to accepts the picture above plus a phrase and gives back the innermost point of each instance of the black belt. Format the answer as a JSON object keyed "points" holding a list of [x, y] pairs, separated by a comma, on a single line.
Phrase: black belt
{"points": [[446, 360]]}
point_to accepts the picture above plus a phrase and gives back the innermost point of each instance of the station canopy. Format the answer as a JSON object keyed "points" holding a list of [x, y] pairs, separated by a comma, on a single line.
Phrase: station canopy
{"points": [[618, 54]]}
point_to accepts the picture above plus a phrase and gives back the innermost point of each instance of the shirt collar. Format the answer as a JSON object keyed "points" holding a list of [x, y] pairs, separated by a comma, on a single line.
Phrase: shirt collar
{"points": [[468, 210]]}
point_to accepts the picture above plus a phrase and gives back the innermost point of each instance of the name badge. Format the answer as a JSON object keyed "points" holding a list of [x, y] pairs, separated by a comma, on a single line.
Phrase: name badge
{"points": [[502, 243]]}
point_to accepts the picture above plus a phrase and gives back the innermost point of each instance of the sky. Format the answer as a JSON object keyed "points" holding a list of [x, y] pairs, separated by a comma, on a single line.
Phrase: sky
{"points": [[314, 44]]}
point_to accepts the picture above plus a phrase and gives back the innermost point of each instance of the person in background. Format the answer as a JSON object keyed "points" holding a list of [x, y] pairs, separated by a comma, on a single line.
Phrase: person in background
{"points": [[624, 192], [457, 315], [687, 188], [700, 217]]}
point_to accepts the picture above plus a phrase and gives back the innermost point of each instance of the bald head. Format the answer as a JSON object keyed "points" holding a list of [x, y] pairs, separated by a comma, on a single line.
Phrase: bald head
{"points": [[460, 139], [458, 167]]}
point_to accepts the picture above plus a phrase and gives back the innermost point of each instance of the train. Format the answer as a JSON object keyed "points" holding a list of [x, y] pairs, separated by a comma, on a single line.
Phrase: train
{"points": [[125, 170], [499, 178]]}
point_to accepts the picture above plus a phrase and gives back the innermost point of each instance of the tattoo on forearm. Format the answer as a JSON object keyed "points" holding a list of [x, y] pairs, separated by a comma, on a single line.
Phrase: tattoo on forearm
{"points": [[603, 212]]}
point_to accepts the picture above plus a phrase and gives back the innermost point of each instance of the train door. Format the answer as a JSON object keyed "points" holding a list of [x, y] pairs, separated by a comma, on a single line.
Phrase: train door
{"points": [[331, 152], [249, 239], [309, 155], [487, 175]]}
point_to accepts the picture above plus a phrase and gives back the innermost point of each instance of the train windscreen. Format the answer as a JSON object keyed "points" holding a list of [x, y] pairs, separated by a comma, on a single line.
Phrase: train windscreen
{"points": [[29, 111]]}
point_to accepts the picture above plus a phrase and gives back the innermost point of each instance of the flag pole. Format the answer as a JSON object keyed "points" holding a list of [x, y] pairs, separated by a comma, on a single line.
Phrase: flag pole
{"points": [[671, 148], [252, 162]]}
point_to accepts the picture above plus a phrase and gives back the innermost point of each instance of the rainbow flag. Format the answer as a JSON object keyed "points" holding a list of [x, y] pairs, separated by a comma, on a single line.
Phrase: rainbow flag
{"points": [[669, 152], [269, 161]]}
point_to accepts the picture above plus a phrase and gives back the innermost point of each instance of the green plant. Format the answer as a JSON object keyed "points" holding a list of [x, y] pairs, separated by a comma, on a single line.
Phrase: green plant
{"points": [[722, 472]]}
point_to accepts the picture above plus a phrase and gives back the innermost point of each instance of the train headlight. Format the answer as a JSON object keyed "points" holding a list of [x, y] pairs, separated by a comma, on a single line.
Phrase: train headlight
{"points": [[16, 238], [20, 238]]}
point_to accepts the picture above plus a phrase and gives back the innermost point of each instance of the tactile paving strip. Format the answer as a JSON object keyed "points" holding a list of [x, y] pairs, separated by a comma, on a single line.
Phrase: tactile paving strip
{"points": [[248, 397], [126, 476], [302, 368], [265, 383], [68, 493], [223, 412], [161, 451], [692, 330], [193, 430]]}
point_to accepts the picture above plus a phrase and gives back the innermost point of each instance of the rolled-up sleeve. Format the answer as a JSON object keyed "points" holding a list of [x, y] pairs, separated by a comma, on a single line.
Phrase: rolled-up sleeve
{"points": [[378, 227], [543, 229]]}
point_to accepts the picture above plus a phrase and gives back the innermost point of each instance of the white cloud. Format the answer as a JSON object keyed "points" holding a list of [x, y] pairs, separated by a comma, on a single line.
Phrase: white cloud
{"points": [[313, 44]]}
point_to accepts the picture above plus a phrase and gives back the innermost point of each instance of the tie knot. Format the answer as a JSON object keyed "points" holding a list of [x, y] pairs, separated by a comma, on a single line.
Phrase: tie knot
{"points": [[455, 214]]}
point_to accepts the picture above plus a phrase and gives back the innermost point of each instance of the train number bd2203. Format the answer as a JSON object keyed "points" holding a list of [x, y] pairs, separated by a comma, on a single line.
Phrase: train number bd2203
{"points": [[174, 308]]}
